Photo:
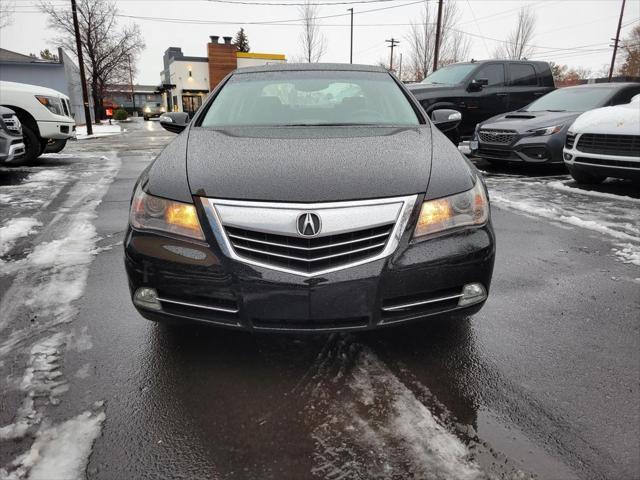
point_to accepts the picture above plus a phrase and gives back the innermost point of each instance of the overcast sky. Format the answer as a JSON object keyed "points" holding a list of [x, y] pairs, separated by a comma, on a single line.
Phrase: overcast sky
{"points": [[583, 28]]}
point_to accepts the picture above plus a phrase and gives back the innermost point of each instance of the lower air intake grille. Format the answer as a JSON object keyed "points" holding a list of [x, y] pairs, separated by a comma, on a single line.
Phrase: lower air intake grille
{"points": [[570, 140], [309, 254]]}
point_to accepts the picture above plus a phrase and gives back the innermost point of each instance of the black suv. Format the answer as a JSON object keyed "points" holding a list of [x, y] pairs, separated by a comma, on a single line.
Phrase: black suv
{"points": [[481, 90]]}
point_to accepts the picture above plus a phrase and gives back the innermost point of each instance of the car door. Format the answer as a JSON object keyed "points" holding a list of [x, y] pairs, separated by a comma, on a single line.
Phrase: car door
{"points": [[523, 86], [490, 100]]}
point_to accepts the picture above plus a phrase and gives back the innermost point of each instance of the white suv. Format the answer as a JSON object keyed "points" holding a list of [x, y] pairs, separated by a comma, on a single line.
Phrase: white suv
{"points": [[45, 115], [605, 142]]}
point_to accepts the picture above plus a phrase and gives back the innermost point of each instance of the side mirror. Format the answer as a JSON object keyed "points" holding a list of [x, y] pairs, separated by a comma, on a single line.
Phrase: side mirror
{"points": [[477, 84], [175, 122], [446, 119]]}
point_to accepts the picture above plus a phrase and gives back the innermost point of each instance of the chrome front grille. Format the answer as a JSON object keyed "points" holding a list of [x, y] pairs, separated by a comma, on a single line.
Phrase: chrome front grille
{"points": [[502, 137], [309, 254], [268, 234]]}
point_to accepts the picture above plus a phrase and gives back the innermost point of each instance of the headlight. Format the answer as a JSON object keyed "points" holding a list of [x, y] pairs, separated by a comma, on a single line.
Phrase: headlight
{"points": [[147, 109], [546, 130], [53, 104], [155, 213], [460, 210], [162, 109]]}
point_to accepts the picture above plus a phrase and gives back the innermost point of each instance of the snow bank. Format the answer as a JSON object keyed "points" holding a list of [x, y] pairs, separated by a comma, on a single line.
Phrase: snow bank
{"points": [[14, 229]]}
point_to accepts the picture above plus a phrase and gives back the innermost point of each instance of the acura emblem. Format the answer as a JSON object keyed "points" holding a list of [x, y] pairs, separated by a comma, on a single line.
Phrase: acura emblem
{"points": [[308, 224]]}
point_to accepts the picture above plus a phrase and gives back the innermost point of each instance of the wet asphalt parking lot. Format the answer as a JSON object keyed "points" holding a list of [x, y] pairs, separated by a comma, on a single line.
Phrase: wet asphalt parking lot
{"points": [[542, 383]]}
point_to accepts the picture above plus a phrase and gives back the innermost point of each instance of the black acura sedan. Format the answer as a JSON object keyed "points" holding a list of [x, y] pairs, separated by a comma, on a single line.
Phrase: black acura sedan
{"points": [[536, 133], [309, 198]]}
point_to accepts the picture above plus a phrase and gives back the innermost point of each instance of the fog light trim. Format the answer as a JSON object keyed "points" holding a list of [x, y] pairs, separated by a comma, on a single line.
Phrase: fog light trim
{"points": [[472, 293], [147, 298]]}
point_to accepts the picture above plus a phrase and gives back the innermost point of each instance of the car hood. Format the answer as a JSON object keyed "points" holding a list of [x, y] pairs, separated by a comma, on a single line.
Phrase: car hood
{"points": [[618, 120], [523, 121], [308, 164]]}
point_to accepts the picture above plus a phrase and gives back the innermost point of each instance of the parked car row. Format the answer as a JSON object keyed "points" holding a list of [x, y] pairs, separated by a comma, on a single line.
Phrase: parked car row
{"points": [[537, 133]]}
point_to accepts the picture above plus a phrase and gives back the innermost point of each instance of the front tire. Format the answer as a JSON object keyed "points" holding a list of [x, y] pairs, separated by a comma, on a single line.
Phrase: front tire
{"points": [[55, 146], [32, 147], [586, 178]]}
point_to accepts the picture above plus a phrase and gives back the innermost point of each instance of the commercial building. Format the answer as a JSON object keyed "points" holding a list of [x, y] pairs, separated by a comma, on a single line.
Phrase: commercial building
{"points": [[120, 96], [62, 75], [186, 80]]}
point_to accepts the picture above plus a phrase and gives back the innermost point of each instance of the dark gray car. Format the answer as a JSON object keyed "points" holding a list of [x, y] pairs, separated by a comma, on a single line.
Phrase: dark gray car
{"points": [[11, 143], [537, 132]]}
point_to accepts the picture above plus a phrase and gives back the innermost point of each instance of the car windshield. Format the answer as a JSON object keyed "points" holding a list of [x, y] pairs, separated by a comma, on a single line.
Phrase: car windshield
{"points": [[579, 99], [451, 75], [286, 98]]}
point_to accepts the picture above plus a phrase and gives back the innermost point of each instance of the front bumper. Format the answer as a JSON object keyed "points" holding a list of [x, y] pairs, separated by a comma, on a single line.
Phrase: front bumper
{"points": [[617, 166], [197, 282], [58, 129], [11, 151], [529, 149]]}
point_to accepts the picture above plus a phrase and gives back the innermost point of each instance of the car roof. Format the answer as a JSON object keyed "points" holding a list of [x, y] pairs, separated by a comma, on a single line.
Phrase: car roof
{"points": [[312, 67], [611, 86]]}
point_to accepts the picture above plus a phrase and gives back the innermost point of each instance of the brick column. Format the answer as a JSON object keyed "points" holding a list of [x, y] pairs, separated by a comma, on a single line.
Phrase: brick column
{"points": [[222, 60]]}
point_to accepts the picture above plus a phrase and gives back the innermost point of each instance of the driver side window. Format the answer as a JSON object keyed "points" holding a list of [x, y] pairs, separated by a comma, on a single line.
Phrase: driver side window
{"points": [[493, 72]]}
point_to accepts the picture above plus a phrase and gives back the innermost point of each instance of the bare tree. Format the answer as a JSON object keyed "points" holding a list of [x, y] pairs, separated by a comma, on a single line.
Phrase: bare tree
{"points": [[312, 40], [518, 46], [631, 46], [6, 13], [107, 47], [421, 41]]}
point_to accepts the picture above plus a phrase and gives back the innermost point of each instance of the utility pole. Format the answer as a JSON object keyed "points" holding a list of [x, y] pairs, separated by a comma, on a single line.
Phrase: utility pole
{"points": [[393, 43], [83, 80], [133, 93], [617, 40], [351, 49], [438, 35]]}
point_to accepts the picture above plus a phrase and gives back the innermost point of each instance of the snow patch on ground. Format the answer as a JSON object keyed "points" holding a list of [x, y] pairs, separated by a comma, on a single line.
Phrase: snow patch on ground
{"points": [[553, 213], [37, 190], [59, 451], [628, 253], [379, 429], [42, 382], [14, 229], [99, 131], [562, 186]]}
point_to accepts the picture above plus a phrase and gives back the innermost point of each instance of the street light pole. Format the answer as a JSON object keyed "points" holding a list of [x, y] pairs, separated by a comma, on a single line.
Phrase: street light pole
{"points": [[133, 93], [351, 49], [83, 80]]}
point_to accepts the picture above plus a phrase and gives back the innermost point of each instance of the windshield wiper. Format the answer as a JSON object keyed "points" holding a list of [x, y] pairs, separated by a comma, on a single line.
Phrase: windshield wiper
{"points": [[555, 110]]}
